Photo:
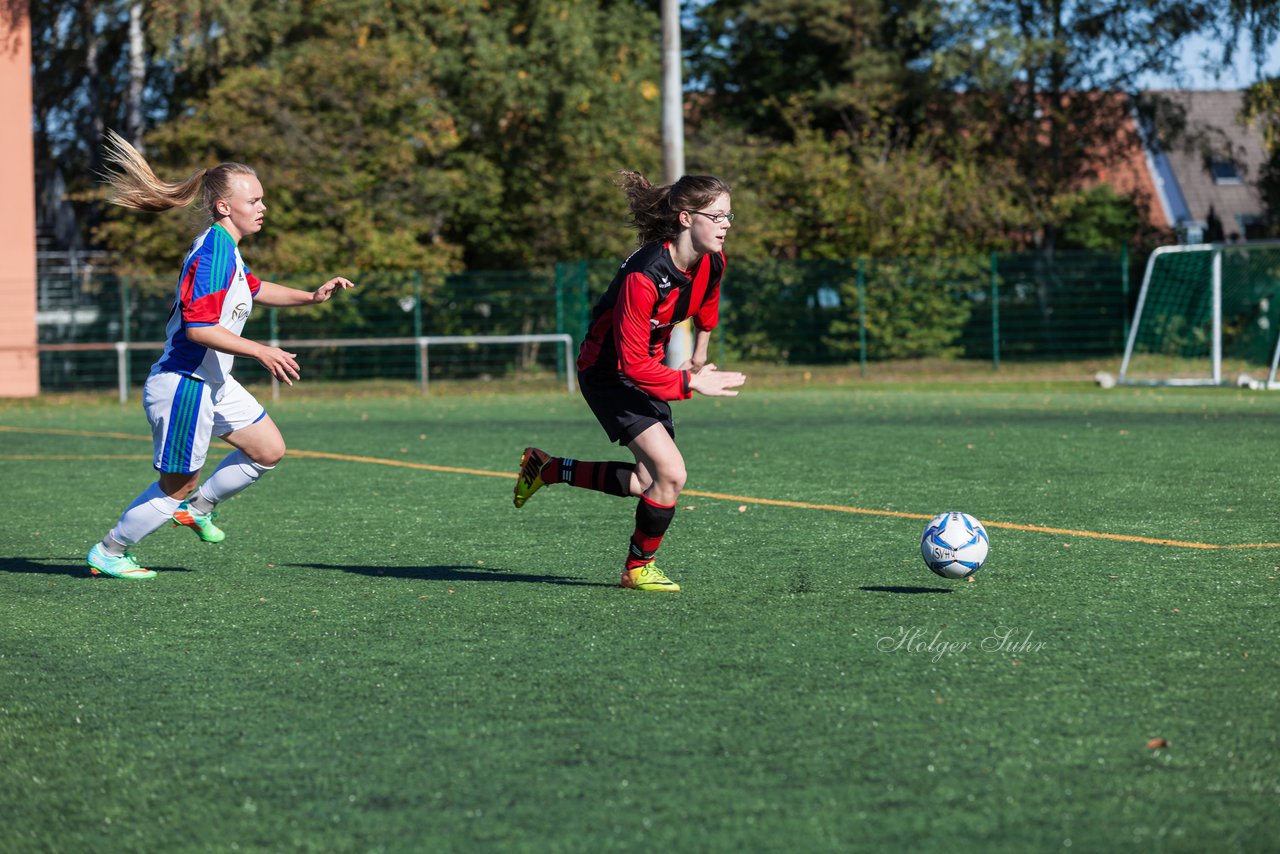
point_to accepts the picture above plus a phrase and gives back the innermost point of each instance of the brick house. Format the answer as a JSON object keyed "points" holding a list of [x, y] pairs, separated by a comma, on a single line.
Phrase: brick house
{"points": [[1204, 165]]}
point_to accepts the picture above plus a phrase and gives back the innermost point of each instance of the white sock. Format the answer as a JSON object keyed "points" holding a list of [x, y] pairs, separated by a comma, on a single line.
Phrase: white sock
{"points": [[233, 475], [112, 546], [149, 512]]}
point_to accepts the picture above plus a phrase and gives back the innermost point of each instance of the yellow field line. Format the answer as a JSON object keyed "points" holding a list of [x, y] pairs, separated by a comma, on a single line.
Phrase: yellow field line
{"points": [[1013, 526], [54, 431], [74, 457], [719, 496], [379, 461]]}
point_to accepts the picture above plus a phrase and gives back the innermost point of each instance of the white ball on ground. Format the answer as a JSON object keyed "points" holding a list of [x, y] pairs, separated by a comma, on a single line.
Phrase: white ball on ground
{"points": [[954, 545]]}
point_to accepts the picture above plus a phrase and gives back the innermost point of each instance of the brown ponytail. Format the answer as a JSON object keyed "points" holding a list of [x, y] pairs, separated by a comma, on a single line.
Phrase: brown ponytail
{"points": [[655, 211]]}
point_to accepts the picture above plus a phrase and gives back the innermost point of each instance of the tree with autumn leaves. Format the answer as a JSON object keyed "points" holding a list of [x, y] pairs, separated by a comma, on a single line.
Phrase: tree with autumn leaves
{"points": [[430, 135]]}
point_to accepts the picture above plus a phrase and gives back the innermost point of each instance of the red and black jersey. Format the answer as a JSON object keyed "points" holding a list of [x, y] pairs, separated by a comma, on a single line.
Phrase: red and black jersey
{"points": [[632, 322]]}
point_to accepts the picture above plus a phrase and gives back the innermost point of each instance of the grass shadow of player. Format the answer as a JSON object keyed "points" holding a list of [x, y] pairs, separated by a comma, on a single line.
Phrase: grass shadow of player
{"points": [[454, 573], [61, 566]]}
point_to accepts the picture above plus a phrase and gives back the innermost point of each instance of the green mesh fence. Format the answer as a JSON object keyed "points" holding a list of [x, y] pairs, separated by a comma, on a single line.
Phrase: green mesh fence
{"points": [[1178, 337], [1069, 305]]}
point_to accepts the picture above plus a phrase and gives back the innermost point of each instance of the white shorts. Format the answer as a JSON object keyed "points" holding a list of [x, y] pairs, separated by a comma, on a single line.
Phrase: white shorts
{"points": [[186, 413]]}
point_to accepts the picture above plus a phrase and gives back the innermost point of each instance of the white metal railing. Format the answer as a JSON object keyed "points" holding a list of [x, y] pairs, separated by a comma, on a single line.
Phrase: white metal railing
{"points": [[423, 343]]}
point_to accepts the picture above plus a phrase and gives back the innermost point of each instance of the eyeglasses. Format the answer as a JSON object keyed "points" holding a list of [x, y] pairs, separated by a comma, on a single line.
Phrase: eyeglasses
{"points": [[716, 218]]}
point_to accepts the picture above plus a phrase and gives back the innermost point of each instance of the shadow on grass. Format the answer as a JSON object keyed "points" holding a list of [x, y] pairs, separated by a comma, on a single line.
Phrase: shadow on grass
{"points": [[62, 567], [453, 573], [905, 589]]}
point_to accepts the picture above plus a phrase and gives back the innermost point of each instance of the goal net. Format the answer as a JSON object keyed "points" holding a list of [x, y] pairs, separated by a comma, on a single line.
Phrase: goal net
{"points": [[1206, 314]]}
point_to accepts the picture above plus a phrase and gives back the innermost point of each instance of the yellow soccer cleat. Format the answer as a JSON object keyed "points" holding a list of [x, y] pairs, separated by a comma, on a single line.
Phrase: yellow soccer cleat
{"points": [[529, 481], [648, 577]]}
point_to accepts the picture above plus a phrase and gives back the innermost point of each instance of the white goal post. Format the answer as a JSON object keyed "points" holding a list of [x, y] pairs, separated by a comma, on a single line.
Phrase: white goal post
{"points": [[1205, 310]]}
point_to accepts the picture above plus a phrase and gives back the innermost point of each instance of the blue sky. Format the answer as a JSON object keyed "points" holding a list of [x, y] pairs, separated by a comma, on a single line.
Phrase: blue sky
{"points": [[1242, 73]]}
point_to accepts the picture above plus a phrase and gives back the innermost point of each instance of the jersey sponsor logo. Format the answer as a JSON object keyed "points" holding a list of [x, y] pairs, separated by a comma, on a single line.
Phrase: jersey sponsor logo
{"points": [[240, 312]]}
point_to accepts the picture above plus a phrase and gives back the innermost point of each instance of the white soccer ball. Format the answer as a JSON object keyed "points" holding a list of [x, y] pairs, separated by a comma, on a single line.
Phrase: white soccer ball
{"points": [[954, 544]]}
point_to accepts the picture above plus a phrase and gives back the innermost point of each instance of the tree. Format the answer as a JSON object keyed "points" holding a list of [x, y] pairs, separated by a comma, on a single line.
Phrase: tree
{"points": [[473, 134], [125, 64], [1259, 19], [1262, 106], [857, 67], [357, 149], [555, 97], [134, 121], [1048, 85], [74, 92], [1100, 219], [425, 136], [809, 208]]}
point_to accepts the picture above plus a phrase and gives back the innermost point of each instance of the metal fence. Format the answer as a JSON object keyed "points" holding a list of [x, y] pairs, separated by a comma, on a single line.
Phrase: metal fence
{"points": [[101, 330]]}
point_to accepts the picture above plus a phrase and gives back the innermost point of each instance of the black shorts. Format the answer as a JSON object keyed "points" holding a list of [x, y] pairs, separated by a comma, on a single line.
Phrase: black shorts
{"points": [[623, 410]]}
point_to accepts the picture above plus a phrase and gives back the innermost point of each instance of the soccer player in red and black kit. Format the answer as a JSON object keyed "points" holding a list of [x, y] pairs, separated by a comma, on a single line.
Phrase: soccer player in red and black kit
{"points": [[675, 274]]}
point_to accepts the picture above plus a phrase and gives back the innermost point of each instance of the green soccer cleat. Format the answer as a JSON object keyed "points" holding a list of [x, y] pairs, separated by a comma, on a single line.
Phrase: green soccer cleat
{"points": [[122, 566], [529, 481], [201, 523], [648, 577]]}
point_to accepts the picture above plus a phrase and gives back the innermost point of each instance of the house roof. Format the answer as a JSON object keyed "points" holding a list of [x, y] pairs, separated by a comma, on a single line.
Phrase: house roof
{"points": [[1126, 168], [1206, 135]]}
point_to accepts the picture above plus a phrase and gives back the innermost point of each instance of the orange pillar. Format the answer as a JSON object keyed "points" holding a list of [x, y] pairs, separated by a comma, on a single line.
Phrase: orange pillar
{"points": [[19, 363]]}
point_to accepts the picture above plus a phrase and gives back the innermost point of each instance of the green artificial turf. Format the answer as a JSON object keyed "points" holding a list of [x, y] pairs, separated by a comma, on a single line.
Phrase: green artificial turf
{"points": [[388, 657]]}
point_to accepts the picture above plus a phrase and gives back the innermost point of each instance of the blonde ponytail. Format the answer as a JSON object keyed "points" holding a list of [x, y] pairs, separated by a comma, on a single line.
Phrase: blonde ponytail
{"points": [[136, 186]]}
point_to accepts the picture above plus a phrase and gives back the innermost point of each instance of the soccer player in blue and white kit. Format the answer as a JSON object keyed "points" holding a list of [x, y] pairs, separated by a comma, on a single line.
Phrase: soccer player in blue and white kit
{"points": [[190, 395]]}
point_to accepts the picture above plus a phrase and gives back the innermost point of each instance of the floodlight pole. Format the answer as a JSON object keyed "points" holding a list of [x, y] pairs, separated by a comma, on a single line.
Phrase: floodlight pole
{"points": [[680, 346], [672, 94]]}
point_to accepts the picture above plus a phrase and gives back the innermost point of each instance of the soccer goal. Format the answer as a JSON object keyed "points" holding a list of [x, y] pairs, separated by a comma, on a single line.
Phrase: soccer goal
{"points": [[1206, 312]]}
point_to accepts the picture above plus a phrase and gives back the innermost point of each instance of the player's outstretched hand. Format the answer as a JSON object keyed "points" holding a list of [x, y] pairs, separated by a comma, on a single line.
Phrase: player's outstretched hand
{"points": [[281, 365], [337, 283], [713, 382]]}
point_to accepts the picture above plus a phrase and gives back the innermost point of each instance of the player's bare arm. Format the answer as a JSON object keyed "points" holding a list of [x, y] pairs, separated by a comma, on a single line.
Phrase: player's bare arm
{"points": [[280, 364], [280, 296]]}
